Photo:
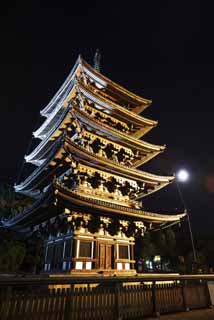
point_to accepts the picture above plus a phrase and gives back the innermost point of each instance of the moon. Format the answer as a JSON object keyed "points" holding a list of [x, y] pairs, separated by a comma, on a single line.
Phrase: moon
{"points": [[182, 175]]}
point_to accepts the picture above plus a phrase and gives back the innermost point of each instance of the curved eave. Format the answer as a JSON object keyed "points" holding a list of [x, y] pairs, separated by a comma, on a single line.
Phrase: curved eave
{"points": [[110, 105], [39, 153], [116, 135], [28, 183], [51, 124], [140, 133], [37, 213], [97, 161], [55, 132], [102, 206], [156, 188], [61, 92], [123, 139], [129, 96], [33, 215]]}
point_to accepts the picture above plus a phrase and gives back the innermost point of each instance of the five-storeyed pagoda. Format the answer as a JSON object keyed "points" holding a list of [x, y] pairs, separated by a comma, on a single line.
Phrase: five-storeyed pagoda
{"points": [[86, 184]]}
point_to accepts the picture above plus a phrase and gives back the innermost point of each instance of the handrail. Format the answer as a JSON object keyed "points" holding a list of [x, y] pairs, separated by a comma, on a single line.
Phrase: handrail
{"points": [[100, 279]]}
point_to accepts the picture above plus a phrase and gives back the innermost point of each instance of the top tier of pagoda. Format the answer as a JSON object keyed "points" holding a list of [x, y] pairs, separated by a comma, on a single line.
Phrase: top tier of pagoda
{"points": [[90, 146]]}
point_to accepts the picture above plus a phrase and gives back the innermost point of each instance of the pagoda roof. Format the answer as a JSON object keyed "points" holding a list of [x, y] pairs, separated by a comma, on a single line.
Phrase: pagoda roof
{"points": [[63, 91], [53, 127], [115, 108], [52, 123], [88, 203], [50, 137], [38, 213], [137, 103], [39, 154], [45, 172], [90, 159], [56, 116], [124, 139], [63, 147]]}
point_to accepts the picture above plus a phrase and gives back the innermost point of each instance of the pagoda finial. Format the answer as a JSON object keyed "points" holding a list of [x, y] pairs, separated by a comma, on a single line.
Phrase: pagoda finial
{"points": [[97, 58]]}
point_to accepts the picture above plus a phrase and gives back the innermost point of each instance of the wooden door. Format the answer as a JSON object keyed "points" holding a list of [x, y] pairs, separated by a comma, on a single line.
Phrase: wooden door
{"points": [[105, 256]]}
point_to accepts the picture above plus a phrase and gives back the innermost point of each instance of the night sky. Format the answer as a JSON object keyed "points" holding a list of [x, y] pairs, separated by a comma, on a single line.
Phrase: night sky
{"points": [[161, 50]]}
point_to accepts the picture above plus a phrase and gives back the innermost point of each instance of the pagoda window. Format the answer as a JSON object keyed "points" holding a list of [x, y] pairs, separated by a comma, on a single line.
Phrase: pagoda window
{"points": [[123, 252], [86, 249]]}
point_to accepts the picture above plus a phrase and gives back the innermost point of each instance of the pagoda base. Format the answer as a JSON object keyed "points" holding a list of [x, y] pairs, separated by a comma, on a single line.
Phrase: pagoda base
{"points": [[81, 253]]}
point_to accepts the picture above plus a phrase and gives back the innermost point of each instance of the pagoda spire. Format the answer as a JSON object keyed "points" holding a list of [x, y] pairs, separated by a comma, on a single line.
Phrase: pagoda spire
{"points": [[96, 60]]}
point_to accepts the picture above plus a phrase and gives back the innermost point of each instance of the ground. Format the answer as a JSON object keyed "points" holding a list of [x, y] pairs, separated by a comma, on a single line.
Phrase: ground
{"points": [[204, 314]]}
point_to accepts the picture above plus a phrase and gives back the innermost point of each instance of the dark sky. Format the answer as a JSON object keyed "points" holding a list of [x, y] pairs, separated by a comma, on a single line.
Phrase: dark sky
{"points": [[161, 50]]}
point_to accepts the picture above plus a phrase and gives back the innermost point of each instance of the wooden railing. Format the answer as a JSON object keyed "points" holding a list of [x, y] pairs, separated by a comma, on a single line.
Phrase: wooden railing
{"points": [[64, 298]]}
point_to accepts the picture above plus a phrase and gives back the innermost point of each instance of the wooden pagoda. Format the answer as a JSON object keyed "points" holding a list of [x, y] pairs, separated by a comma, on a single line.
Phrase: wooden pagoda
{"points": [[87, 186]]}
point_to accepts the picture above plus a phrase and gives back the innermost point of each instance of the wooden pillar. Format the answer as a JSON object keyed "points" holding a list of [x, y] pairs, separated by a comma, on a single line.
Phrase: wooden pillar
{"points": [[74, 253], [96, 254], [115, 255], [132, 254]]}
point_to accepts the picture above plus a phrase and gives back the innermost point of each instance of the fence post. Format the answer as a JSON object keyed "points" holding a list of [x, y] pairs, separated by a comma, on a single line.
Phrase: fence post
{"points": [[117, 301], [156, 313], [68, 304], [183, 287]]}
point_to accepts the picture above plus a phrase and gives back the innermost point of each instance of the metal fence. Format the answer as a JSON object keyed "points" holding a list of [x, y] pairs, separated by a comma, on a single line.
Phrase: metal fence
{"points": [[100, 298]]}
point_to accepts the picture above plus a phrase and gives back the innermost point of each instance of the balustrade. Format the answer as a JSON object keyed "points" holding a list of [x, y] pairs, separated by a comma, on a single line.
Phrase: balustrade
{"points": [[101, 297]]}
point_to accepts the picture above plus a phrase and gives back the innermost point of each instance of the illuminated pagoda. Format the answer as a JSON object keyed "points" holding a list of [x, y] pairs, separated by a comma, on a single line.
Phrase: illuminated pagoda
{"points": [[87, 186]]}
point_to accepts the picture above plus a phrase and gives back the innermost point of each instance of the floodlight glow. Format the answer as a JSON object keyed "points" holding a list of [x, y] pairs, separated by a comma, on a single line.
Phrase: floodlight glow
{"points": [[182, 175]]}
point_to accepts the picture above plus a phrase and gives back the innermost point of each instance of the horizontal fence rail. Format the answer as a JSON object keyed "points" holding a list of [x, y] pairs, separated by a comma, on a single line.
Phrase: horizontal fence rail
{"points": [[95, 298]]}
